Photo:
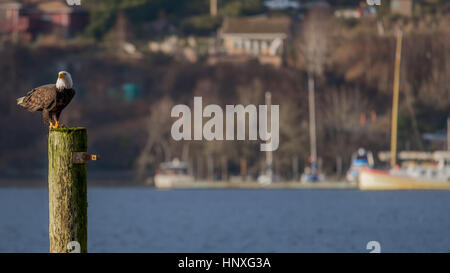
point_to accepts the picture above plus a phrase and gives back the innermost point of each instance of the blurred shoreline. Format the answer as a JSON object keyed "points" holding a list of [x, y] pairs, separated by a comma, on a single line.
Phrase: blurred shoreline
{"points": [[40, 182]]}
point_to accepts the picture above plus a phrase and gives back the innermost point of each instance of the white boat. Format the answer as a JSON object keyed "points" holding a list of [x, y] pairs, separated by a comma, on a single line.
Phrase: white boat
{"points": [[172, 174], [412, 175]]}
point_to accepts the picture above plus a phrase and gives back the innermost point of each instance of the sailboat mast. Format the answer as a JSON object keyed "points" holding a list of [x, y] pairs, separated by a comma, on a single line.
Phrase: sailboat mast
{"points": [[398, 53]]}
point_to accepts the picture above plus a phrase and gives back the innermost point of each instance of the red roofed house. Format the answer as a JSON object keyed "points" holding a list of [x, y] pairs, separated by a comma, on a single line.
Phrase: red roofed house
{"points": [[58, 16], [10, 19], [42, 16]]}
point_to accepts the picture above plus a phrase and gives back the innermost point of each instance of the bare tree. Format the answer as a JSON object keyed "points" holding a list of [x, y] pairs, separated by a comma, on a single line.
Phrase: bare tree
{"points": [[158, 146]]}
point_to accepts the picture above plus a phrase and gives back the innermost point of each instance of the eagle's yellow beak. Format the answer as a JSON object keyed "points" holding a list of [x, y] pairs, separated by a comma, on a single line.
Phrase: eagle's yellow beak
{"points": [[60, 75]]}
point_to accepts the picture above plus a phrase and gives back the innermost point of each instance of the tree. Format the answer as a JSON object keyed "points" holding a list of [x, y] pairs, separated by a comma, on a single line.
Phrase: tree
{"points": [[159, 146], [103, 14]]}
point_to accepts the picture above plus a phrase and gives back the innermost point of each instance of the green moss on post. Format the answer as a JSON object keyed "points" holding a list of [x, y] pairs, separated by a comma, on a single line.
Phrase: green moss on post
{"points": [[67, 189]]}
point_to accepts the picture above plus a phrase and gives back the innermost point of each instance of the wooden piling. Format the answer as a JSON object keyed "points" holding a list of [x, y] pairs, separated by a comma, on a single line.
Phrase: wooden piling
{"points": [[67, 187]]}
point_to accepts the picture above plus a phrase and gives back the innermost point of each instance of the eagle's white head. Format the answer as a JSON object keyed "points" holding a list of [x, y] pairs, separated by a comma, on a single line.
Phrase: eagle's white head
{"points": [[64, 80]]}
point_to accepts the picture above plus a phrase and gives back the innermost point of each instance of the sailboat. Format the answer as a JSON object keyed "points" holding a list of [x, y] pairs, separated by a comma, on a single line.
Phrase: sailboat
{"points": [[419, 170]]}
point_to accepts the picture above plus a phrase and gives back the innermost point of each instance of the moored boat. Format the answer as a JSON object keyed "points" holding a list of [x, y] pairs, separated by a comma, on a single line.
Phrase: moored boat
{"points": [[370, 179], [173, 174]]}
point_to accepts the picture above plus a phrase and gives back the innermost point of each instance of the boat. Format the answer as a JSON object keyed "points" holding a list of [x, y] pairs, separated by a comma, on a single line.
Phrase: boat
{"points": [[360, 159], [423, 174], [172, 174]]}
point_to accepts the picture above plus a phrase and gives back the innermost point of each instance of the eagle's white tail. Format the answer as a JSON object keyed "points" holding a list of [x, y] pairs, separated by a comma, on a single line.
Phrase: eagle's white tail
{"points": [[20, 100]]}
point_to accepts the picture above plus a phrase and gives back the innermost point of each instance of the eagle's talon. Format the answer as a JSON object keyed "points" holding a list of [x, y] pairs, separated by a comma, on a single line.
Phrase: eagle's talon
{"points": [[59, 125], [51, 126]]}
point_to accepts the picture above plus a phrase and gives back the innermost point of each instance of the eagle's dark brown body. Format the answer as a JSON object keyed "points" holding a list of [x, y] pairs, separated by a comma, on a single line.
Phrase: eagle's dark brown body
{"points": [[49, 100]]}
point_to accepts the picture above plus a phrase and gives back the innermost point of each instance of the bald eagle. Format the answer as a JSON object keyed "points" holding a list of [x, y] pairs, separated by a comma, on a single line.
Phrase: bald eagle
{"points": [[51, 99]]}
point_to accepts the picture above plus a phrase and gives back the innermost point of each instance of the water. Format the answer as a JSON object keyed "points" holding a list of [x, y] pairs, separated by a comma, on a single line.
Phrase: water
{"points": [[149, 220]]}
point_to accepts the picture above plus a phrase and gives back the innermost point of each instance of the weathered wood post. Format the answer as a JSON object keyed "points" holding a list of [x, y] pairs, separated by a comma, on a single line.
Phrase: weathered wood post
{"points": [[67, 185]]}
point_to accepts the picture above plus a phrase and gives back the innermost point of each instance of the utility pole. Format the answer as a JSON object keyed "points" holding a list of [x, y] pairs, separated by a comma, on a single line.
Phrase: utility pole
{"points": [[295, 168], [213, 8], [398, 54], [312, 120]]}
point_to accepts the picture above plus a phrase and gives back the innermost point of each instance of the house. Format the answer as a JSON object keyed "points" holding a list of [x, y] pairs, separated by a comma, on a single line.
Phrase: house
{"points": [[347, 13], [10, 19], [402, 7], [58, 16], [363, 10], [32, 17], [262, 38]]}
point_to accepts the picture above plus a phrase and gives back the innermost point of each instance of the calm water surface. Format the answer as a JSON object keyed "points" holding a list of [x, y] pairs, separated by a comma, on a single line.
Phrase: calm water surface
{"points": [[149, 220]]}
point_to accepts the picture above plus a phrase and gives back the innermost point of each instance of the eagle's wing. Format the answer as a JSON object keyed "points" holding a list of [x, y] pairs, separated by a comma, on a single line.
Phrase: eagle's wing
{"points": [[42, 97]]}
